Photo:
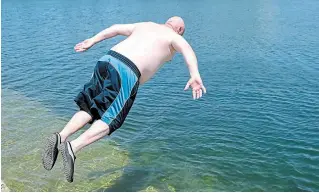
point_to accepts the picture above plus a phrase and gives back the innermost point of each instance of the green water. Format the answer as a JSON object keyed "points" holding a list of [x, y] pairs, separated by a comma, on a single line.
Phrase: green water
{"points": [[23, 170]]}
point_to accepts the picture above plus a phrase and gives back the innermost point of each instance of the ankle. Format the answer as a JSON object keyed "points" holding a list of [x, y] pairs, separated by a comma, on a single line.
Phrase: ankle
{"points": [[75, 146], [63, 137]]}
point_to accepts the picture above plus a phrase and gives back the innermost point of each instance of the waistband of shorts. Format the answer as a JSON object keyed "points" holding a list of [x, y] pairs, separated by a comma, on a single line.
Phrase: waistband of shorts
{"points": [[126, 61]]}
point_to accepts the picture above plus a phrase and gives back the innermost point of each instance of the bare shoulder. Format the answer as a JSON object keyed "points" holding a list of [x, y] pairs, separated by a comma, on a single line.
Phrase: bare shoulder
{"points": [[176, 38], [179, 43]]}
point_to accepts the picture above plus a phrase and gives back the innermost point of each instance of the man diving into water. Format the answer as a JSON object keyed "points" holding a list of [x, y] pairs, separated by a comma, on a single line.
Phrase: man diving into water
{"points": [[108, 97]]}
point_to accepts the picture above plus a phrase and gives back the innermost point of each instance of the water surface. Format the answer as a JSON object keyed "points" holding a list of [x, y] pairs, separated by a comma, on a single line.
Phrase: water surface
{"points": [[256, 129]]}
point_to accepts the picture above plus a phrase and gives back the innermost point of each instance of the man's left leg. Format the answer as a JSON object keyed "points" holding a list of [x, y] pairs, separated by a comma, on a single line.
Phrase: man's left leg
{"points": [[98, 130]]}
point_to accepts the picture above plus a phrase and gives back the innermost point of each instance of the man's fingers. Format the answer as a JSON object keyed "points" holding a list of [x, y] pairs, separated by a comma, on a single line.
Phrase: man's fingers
{"points": [[203, 87], [78, 45], [80, 50], [187, 86], [197, 94], [194, 94], [200, 93]]}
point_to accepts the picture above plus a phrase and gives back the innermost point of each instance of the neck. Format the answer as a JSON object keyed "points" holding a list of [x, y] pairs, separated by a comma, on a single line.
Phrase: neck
{"points": [[169, 25]]}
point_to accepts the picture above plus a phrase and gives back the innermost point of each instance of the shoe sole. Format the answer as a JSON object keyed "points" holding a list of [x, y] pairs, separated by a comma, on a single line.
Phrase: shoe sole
{"points": [[68, 163], [50, 153]]}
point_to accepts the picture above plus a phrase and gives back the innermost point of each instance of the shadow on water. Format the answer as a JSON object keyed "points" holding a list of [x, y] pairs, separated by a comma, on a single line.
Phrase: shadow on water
{"points": [[94, 175], [132, 180]]}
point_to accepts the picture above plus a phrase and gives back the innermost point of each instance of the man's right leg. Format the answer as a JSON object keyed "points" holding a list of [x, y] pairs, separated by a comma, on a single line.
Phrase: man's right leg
{"points": [[50, 152], [78, 121], [98, 130], [68, 149]]}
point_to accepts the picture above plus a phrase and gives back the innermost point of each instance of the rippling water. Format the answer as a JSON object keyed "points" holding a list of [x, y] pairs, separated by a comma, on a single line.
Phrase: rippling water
{"points": [[257, 128]]}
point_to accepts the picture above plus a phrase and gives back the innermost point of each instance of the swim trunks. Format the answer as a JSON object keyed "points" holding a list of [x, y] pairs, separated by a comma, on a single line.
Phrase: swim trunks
{"points": [[110, 93]]}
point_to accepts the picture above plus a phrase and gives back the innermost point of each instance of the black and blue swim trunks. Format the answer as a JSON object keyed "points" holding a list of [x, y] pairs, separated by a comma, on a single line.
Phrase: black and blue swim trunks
{"points": [[110, 93]]}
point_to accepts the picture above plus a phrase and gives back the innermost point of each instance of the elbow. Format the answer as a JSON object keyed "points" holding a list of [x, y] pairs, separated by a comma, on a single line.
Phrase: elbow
{"points": [[114, 26], [120, 29], [114, 29]]}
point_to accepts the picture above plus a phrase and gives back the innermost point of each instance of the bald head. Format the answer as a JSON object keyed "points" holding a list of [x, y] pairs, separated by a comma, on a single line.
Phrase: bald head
{"points": [[177, 24]]}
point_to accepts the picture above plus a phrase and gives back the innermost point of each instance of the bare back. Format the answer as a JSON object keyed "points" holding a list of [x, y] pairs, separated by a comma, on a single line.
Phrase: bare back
{"points": [[149, 47]]}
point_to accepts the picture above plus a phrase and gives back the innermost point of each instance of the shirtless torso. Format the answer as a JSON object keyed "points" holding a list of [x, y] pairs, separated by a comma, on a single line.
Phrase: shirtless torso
{"points": [[149, 46]]}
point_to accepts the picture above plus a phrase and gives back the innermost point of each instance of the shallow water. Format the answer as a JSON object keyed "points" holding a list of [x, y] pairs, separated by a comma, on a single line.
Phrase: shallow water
{"points": [[256, 129]]}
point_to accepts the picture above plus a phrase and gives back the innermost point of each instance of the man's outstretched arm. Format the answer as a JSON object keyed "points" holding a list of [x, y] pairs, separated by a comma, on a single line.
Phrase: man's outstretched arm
{"points": [[195, 81], [114, 30]]}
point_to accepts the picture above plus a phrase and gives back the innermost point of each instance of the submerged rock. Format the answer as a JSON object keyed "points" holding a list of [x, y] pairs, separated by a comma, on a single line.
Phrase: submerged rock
{"points": [[150, 189]]}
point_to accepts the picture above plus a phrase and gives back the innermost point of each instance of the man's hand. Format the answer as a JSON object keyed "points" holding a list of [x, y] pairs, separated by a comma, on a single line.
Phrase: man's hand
{"points": [[83, 46], [182, 46], [197, 85]]}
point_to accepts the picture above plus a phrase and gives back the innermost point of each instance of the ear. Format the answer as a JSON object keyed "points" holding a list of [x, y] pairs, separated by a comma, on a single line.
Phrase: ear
{"points": [[180, 30]]}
